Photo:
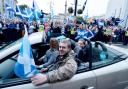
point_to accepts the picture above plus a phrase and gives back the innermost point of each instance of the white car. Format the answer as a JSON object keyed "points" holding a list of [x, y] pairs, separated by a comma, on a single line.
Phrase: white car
{"points": [[107, 67]]}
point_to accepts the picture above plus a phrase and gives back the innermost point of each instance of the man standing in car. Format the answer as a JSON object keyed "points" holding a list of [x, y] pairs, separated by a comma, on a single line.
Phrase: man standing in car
{"points": [[64, 68]]}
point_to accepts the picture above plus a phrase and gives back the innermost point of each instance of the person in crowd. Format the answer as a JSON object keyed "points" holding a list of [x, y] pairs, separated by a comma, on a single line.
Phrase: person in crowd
{"points": [[81, 50], [51, 54], [56, 30], [83, 32], [36, 28], [64, 68], [1, 32], [100, 34], [126, 37]]}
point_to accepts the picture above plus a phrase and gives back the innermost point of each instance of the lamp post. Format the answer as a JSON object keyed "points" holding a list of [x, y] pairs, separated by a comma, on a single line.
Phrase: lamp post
{"points": [[76, 1]]}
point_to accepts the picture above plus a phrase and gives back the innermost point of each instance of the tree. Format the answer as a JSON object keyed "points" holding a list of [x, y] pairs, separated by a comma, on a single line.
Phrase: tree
{"points": [[23, 6], [70, 10], [80, 19], [80, 11]]}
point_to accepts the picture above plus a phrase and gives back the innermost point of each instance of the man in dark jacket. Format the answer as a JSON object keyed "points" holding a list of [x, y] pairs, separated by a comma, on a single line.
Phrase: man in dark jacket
{"points": [[82, 50], [64, 68]]}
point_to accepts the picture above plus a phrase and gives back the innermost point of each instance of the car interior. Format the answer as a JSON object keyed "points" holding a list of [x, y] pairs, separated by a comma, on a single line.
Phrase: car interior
{"points": [[99, 56]]}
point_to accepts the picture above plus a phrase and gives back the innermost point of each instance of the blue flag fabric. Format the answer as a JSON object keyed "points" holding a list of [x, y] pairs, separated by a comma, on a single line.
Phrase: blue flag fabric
{"points": [[36, 10], [21, 13], [9, 8], [25, 65], [18, 12]]}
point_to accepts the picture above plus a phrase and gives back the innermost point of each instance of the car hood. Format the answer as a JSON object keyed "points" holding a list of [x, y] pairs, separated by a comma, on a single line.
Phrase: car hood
{"points": [[15, 46]]}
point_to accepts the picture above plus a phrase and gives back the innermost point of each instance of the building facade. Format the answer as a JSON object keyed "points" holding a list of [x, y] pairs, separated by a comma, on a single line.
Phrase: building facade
{"points": [[118, 9]]}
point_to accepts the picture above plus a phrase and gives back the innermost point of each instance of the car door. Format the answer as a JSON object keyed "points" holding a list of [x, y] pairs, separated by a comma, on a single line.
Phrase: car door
{"points": [[85, 80], [111, 73], [28, 86], [113, 76]]}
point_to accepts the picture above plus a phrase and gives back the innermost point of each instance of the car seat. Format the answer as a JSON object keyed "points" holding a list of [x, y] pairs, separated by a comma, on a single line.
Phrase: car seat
{"points": [[97, 53]]}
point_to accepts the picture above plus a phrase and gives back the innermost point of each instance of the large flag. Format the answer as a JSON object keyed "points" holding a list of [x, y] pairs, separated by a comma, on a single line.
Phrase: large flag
{"points": [[9, 8], [18, 12], [25, 65], [21, 13], [24, 13], [35, 6], [36, 10], [30, 14]]}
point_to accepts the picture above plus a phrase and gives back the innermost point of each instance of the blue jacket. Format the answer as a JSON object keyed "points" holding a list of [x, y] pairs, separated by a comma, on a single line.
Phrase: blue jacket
{"points": [[50, 57], [81, 33]]}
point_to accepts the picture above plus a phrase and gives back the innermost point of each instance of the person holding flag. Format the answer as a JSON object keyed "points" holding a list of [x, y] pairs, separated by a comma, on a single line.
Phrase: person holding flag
{"points": [[25, 65], [64, 67]]}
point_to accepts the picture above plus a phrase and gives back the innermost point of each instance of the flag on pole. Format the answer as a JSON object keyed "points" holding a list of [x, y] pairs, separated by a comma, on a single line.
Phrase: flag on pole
{"points": [[35, 6], [18, 12], [30, 14], [21, 13], [25, 65], [9, 8], [24, 13], [36, 10]]}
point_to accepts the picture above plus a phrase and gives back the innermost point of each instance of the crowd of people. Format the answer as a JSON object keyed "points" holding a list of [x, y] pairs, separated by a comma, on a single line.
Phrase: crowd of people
{"points": [[61, 61], [96, 29]]}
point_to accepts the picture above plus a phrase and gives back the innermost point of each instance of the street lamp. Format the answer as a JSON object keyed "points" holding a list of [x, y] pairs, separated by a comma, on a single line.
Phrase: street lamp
{"points": [[75, 11], [76, 1]]}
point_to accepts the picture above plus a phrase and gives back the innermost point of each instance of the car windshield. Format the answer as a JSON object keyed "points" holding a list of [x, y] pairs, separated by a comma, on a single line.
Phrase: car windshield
{"points": [[10, 45]]}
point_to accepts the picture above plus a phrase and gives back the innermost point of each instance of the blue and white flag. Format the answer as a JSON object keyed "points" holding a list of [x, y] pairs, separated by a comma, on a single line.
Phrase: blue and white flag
{"points": [[25, 65], [18, 12], [36, 10], [30, 14], [35, 6], [9, 8], [21, 13]]}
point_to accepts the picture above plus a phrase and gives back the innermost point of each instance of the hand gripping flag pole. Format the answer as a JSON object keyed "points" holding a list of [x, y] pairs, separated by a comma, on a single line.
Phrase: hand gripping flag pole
{"points": [[25, 65]]}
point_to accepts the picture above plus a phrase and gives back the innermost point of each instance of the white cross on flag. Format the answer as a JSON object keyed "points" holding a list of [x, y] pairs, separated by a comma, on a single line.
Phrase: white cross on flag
{"points": [[25, 65]]}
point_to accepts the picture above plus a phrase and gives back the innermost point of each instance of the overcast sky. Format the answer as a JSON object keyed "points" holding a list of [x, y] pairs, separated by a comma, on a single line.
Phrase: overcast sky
{"points": [[94, 7]]}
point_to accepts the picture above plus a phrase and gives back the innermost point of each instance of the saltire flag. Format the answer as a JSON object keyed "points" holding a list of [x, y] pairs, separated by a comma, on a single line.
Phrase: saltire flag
{"points": [[18, 12], [84, 5], [9, 8], [30, 14], [25, 65], [35, 6], [24, 13], [36, 10]]}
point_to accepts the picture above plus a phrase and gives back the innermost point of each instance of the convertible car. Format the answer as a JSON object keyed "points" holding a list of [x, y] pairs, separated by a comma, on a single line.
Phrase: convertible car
{"points": [[107, 67]]}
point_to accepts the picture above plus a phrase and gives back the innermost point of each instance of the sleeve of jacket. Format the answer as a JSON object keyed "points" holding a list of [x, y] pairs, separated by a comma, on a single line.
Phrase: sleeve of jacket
{"points": [[64, 72], [52, 59]]}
